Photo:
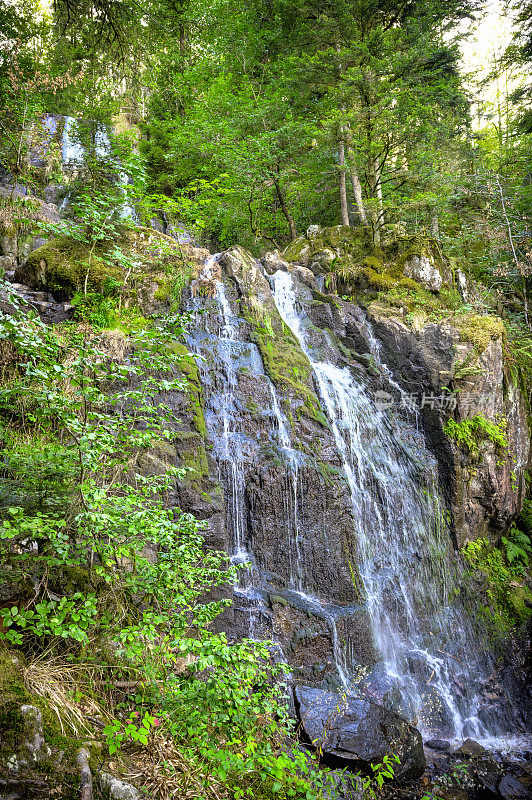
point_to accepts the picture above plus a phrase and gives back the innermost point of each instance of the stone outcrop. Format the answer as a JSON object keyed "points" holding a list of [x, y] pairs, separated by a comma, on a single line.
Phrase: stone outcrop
{"points": [[453, 367], [357, 733], [448, 377]]}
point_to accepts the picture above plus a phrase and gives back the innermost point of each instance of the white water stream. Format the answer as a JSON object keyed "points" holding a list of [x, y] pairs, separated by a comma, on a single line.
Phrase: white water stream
{"points": [[233, 461], [73, 158], [434, 670]]}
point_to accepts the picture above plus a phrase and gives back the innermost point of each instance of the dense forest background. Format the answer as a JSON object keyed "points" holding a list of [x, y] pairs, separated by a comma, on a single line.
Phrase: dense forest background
{"points": [[252, 122], [243, 123]]}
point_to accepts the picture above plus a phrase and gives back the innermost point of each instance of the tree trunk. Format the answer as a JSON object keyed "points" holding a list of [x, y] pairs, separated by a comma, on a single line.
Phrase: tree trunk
{"points": [[343, 190], [378, 192], [284, 208], [376, 220], [357, 187], [434, 228]]}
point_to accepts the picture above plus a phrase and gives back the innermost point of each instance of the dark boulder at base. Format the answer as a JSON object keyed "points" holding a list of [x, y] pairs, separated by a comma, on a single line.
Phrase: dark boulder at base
{"points": [[511, 787], [440, 745], [470, 748], [355, 732]]}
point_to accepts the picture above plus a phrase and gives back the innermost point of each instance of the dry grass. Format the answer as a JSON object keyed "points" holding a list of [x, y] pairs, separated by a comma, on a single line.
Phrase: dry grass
{"points": [[166, 774], [67, 689]]}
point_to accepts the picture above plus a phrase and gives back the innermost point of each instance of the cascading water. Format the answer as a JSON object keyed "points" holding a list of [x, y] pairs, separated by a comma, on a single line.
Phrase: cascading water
{"points": [[224, 341], [432, 669], [73, 158]]}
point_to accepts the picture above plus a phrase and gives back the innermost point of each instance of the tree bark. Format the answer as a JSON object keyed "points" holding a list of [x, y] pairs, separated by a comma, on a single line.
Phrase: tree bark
{"points": [[82, 760], [357, 187], [254, 230], [284, 208], [343, 189]]}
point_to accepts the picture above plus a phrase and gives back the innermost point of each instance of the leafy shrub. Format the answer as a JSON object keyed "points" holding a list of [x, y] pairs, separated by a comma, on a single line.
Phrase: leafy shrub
{"points": [[518, 548], [98, 588]]}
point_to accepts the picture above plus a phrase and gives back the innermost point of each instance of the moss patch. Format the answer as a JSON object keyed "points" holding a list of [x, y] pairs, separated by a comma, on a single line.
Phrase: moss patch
{"points": [[339, 238], [191, 444], [285, 363], [13, 694], [504, 603], [65, 266], [479, 329]]}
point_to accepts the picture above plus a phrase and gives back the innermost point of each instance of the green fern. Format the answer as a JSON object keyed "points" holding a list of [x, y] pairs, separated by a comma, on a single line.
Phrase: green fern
{"points": [[518, 547]]}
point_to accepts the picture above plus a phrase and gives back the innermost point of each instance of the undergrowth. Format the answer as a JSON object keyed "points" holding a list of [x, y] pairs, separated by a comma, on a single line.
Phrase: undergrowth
{"points": [[117, 585]]}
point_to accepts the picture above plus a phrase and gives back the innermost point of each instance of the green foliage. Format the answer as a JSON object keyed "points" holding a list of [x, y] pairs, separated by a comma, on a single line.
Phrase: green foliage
{"points": [[508, 599], [119, 732], [469, 433], [111, 563], [518, 548], [94, 309]]}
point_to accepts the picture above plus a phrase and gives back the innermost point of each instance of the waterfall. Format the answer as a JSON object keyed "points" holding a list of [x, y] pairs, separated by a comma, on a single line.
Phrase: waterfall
{"points": [[73, 158], [433, 669], [225, 356]]}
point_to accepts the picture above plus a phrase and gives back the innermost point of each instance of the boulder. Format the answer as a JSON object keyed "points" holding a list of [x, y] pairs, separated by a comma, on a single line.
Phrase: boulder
{"points": [[116, 789], [272, 262], [440, 745], [7, 263], [34, 746], [322, 261], [356, 732], [420, 268], [306, 276], [471, 748], [511, 787]]}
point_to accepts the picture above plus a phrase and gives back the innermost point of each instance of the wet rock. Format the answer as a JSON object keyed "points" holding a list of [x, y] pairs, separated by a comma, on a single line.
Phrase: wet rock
{"points": [[118, 790], [306, 276], [440, 745], [356, 732], [511, 787], [485, 493], [52, 193], [272, 262], [471, 748], [321, 261]]}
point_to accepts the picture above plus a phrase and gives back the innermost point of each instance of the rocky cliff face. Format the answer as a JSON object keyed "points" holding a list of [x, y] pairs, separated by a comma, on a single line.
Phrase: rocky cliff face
{"points": [[267, 471]]}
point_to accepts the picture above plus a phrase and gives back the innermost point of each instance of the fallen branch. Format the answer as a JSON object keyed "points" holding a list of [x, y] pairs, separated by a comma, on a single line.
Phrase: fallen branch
{"points": [[82, 760]]}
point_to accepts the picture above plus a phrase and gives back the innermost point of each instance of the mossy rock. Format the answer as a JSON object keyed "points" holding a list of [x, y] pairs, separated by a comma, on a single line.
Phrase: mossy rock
{"points": [[286, 365], [190, 445], [374, 263], [319, 297], [479, 329], [64, 266], [13, 695], [189, 370], [340, 239]]}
